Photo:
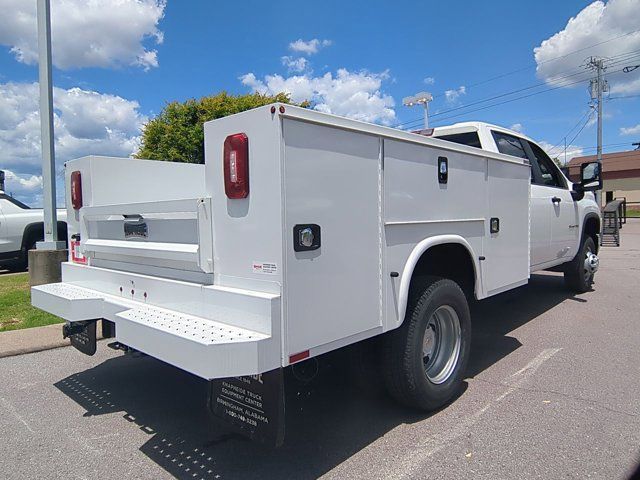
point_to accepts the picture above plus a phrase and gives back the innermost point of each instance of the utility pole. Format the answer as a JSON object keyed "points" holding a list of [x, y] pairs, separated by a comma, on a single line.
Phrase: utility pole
{"points": [[599, 85]]}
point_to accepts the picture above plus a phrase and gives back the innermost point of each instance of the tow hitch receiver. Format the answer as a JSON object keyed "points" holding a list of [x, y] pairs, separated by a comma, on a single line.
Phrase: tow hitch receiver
{"points": [[82, 335], [253, 405]]}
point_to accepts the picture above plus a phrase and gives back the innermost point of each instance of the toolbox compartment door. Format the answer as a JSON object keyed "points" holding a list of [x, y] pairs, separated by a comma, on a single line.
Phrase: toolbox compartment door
{"points": [[332, 181]]}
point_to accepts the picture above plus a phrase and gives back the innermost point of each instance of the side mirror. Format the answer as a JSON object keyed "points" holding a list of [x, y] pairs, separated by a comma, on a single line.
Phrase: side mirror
{"points": [[590, 177]]}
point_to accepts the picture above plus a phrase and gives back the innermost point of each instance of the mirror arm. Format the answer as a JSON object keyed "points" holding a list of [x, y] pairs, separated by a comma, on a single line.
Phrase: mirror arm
{"points": [[577, 194]]}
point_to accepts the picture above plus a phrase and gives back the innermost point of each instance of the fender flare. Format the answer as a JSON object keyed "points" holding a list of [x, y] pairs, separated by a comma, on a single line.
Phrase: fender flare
{"points": [[29, 228], [587, 217], [414, 257], [28, 231]]}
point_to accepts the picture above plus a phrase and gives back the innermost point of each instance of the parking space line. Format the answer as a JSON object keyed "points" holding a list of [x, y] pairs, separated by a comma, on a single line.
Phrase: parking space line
{"points": [[11, 409], [437, 442]]}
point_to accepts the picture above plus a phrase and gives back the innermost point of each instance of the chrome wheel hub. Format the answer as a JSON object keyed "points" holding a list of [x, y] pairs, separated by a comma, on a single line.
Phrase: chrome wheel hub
{"points": [[591, 264], [441, 344]]}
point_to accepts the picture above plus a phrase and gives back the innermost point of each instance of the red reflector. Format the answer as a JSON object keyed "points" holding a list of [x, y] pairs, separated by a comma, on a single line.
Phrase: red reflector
{"points": [[236, 166], [76, 256], [76, 190], [298, 356]]}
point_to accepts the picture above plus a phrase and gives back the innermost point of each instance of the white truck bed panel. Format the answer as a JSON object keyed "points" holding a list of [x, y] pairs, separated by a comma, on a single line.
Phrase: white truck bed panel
{"points": [[332, 178]]}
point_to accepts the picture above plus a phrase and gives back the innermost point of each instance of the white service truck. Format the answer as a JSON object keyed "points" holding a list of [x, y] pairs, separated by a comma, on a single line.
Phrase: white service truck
{"points": [[20, 228], [304, 233]]}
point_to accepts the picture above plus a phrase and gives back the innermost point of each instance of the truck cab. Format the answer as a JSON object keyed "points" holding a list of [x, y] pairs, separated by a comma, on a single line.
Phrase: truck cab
{"points": [[20, 228], [559, 215]]}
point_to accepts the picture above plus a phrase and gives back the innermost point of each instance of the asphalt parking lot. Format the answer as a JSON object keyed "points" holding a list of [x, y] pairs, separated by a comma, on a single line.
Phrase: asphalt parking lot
{"points": [[553, 391]]}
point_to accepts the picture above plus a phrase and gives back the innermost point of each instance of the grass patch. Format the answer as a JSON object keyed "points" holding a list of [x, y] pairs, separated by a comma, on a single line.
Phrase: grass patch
{"points": [[633, 213], [16, 311]]}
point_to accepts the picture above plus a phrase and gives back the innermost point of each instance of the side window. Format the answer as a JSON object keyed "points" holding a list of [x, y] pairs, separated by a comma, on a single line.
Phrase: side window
{"points": [[548, 173], [509, 145], [467, 138]]}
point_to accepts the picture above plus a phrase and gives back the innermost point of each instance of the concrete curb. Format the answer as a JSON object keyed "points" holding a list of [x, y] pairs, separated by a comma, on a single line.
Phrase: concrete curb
{"points": [[29, 340], [37, 339]]}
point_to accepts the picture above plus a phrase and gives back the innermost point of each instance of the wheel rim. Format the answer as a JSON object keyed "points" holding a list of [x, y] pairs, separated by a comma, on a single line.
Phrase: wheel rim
{"points": [[591, 263], [441, 344]]}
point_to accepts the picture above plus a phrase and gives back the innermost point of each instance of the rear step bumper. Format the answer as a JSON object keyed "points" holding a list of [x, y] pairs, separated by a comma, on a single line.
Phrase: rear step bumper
{"points": [[206, 347]]}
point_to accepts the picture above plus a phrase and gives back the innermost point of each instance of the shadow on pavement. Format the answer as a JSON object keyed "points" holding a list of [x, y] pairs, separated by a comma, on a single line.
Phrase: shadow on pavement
{"points": [[328, 420], [494, 318]]}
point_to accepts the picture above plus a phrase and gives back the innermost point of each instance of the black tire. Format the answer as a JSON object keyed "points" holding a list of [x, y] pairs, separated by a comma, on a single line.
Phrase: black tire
{"points": [[575, 274], [404, 368], [22, 263]]}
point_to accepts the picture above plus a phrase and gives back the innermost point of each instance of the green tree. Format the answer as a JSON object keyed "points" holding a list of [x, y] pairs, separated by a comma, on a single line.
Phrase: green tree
{"points": [[177, 133]]}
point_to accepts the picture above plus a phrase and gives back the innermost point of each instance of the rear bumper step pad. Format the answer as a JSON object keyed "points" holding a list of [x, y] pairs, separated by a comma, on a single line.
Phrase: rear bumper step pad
{"points": [[202, 346]]}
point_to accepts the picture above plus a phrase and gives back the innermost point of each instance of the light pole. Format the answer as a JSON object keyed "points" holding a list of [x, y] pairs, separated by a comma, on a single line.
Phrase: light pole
{"points": [[420, 98], [45, 261], [46, 130]]}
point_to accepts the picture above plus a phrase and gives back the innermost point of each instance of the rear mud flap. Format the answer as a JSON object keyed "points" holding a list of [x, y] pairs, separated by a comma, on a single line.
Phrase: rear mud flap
{"points": [[252, 405], [82, 335]]}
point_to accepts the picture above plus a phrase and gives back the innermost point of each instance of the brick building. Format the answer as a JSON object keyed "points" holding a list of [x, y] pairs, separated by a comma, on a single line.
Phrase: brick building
{"points": [[620, 173]]}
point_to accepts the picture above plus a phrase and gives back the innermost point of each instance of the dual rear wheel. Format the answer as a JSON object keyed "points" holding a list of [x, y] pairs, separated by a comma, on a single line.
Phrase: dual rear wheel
{"points": [[424, 360]]}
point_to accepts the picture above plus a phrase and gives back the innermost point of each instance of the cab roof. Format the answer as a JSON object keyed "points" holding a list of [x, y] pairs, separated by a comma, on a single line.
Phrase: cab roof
{"points": [[462, 127]]}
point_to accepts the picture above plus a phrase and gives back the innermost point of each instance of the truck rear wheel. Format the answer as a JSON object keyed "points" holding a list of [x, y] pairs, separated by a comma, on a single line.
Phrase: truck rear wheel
{"points": [[424, 360], [579, 273]]}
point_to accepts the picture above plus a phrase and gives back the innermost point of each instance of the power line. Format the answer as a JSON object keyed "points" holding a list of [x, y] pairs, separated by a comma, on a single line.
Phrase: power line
{"points": [[512, 72], [512, 92], [608, 145], [616, 57], [569, 132], [508, 101], [583, 126], [624, 96]]}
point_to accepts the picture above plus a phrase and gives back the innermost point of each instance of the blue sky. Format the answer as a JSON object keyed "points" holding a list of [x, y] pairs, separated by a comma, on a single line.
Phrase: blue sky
{"points": [[119, 62]]}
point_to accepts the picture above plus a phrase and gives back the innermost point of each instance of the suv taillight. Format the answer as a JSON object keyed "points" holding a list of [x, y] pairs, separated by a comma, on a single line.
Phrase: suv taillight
{"points": [[76, 190], [236, 166]]}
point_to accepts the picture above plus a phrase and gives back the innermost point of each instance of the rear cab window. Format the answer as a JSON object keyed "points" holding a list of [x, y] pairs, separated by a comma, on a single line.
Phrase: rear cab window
{"points": [[509, 145], [470, 139]]}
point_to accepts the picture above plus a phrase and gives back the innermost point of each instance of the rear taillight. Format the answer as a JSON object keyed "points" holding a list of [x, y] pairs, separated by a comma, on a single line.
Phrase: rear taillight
{"points": [[76, 190], [236, 166]]}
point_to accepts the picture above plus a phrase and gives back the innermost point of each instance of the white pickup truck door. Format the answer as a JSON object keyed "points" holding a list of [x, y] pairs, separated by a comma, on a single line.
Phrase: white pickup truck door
{"points": [[3, 233], [540, 225], [540, 207], [553, 210]]}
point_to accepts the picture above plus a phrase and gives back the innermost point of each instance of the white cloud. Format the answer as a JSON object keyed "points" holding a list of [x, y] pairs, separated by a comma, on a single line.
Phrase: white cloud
{"points": [[429, 80], [26, 188], [558, 151], [351, 94], [517, 127], [85, 123], [630, 130], [453, 95], [595, 24], [86, 33], [308, 47], [295, 65]]}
